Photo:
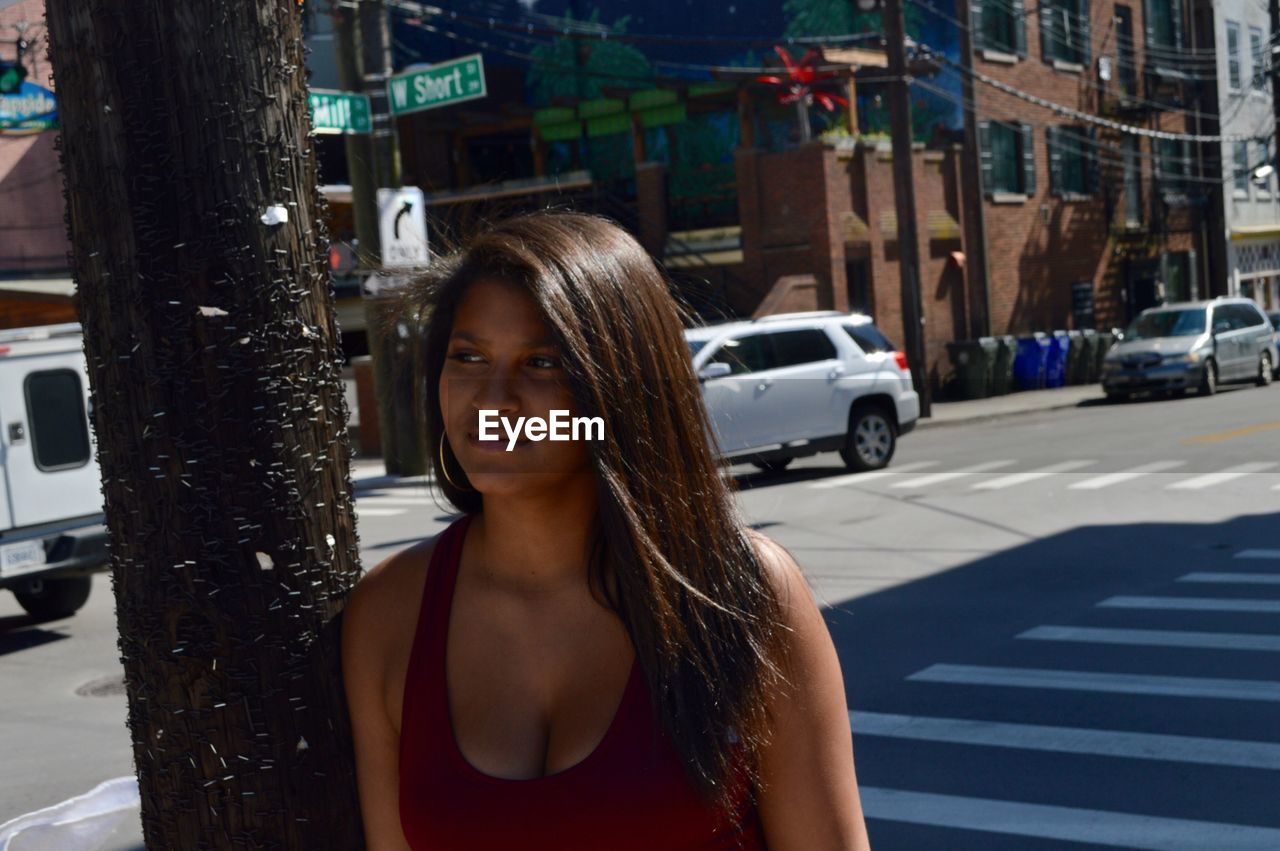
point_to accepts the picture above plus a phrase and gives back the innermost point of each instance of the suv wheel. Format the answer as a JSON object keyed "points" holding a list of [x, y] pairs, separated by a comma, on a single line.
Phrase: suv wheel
{"points": [[54, 598], [1264, 369], [1209, 379], [870, 441], [775, 466]]}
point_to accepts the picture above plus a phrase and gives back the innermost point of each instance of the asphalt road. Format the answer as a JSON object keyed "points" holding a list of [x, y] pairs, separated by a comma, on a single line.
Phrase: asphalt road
{"points": [[1058, 630]]}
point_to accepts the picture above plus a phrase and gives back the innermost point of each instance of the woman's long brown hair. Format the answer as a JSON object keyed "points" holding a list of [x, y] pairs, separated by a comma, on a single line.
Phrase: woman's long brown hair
{"points": [[671, 554]]}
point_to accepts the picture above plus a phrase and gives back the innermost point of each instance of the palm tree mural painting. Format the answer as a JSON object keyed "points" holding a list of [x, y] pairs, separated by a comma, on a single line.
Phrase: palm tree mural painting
{"points": [[801, 87]]}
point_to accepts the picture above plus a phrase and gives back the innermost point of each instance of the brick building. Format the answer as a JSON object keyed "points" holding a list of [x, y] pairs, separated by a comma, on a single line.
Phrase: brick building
{"points": [[1083, 225]]}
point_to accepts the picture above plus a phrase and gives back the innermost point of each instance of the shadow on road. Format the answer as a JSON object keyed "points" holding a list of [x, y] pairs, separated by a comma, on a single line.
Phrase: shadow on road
{"points": [[22, 632], [1128, 582]]}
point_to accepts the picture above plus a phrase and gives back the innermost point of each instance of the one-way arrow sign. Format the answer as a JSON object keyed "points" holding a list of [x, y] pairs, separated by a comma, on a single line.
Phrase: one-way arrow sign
{"points": [[402, 227]]}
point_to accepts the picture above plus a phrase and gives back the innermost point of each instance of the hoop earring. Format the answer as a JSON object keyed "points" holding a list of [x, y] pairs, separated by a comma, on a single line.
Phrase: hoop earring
{"points": [[444, 469]]}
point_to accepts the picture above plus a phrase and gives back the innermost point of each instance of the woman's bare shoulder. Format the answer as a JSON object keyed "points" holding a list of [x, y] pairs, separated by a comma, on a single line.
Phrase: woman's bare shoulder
{"points": [[383, 607]]}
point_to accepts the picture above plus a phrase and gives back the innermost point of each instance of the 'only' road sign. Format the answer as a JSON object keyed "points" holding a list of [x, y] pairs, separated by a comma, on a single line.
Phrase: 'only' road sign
{"points": [[438, 85], [402, 227]]}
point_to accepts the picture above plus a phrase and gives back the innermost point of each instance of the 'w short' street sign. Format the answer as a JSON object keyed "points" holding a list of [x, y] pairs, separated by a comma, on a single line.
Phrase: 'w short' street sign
{"points": [[438, 85]]}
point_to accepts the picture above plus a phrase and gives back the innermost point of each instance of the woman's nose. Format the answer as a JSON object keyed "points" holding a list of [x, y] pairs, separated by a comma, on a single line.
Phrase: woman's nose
{"points": [[495, 391]]}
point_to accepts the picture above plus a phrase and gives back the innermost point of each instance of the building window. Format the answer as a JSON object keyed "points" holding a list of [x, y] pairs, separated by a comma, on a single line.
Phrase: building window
{"points": [[1072, 161], [1164, 24], [1173, 165], [1008, 158], [1233, 54], [999, 25], [1126, 56], [1132, 182], [1240, 169], [1258, 55], [1064, 30]]}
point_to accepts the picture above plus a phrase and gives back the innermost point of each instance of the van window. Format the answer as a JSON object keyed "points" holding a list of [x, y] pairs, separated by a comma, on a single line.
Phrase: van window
{"points": [[793, 348], [55, 414]]}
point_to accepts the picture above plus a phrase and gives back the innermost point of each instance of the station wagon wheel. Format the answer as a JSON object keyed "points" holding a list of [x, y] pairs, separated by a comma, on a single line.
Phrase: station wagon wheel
{"points": [[870, 441], [1264, 369], [1209, 379]]}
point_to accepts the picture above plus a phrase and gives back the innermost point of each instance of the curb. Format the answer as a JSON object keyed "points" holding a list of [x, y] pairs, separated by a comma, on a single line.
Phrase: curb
{"points": [[931, 423], [369, 483]]}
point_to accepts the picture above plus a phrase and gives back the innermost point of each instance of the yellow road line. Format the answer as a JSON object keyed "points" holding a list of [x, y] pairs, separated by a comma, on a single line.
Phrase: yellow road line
{"points": [[1220, 436]]}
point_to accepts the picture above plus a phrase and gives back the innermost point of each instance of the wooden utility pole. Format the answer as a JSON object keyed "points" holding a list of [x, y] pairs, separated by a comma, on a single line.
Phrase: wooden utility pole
{"points": [[190, 180], [363, 44], [905, 199]]}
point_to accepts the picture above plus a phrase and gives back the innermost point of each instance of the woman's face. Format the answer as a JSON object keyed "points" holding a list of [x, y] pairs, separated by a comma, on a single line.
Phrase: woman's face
{"points": [[502, 357]]}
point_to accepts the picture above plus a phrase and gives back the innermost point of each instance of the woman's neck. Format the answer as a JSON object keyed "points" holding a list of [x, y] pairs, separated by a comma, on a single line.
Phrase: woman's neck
{"points": [[537, 544]]}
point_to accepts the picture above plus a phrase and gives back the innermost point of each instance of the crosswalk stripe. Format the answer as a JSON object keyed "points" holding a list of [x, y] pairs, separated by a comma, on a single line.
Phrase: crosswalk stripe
{"points": [[1233, 578], [1208, 480], [860, 478], [1191, 604], [1156, 637], [1069, 824], [936, 478], [1258, 554], [1078, 740], [1041, 678], [1109, 479], [1014, 479], [379, 512]]}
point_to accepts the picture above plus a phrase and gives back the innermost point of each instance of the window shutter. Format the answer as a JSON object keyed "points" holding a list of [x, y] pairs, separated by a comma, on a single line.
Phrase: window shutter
{"points": [[1019, 27], [1028, 160], [1084, 34], [1186, 167], [979, 39], [1193, 270], [1053, 137], [1049, 35], [1176, 9], [1092, 180], [985, 157]]}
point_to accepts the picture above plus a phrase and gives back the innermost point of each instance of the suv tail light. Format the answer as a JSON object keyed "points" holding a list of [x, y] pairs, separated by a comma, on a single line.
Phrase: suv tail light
{"points": [[900, 358]]}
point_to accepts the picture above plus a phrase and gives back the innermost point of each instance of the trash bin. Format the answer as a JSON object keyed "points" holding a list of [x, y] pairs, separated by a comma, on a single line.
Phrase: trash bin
{"points": [[1089, 370], [1002, 373], [1028, 365], [973, 361], [1055, 364], [1076, 368]]}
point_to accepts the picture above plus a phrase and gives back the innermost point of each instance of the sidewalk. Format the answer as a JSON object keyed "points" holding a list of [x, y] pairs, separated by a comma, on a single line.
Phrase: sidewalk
{"points": [[1025, 402]]}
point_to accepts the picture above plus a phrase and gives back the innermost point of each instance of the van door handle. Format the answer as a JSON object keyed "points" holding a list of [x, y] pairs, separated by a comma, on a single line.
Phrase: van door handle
{"points": [[17, 432], [765, 384], [836, 372]]}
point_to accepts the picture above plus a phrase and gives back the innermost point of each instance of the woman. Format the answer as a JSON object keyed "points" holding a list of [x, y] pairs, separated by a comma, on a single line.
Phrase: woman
{"points": [[598, 653]]}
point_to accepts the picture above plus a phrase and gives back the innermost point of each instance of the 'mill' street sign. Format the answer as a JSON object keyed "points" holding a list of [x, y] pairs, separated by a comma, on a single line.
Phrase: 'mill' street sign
{"points": [[339, 112], [438, 85]]}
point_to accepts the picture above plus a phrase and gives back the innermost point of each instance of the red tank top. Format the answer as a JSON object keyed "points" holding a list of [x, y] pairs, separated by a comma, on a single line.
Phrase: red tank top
{"points": [[631, 792]]}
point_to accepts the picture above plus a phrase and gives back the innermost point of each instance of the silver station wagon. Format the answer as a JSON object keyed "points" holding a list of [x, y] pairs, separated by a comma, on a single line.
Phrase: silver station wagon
{"points": [[1191, 346]]}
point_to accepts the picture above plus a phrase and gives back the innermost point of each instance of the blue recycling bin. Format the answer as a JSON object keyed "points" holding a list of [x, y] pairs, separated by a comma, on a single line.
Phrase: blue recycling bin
{"points": [[1055, 364], [1029, 363]]}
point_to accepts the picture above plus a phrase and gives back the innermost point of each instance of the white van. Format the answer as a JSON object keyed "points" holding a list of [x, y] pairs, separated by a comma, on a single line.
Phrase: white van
{"points": [[51, 532]]}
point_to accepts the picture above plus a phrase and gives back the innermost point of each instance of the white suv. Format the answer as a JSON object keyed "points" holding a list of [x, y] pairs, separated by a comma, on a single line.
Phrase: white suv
{"points": [[795, 384]]}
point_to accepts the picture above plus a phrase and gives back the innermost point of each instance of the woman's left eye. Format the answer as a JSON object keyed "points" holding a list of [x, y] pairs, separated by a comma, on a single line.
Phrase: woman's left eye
{"points": [[544, 362]]}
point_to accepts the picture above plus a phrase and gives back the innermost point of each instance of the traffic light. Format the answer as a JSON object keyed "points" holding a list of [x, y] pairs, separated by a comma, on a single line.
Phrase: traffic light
{"points": [[11, 76]]}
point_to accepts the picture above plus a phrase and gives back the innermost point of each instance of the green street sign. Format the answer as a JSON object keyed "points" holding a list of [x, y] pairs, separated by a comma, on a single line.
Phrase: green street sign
{"points": [[339, 112], [438, 85]]}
